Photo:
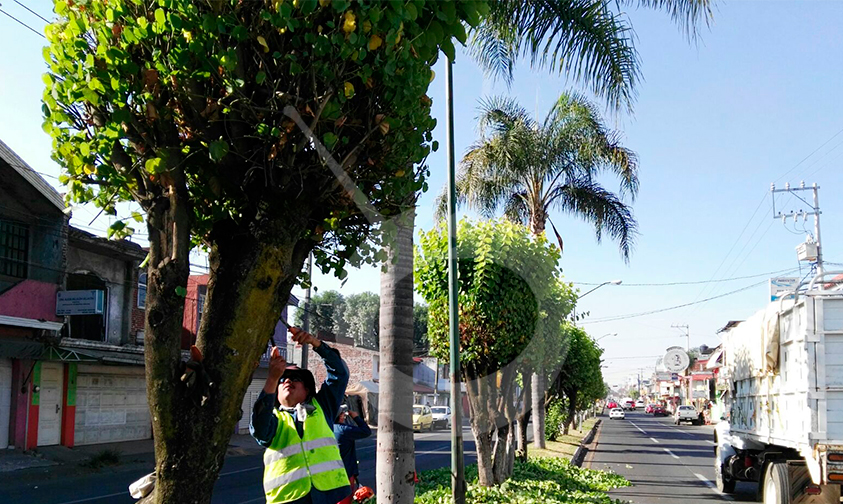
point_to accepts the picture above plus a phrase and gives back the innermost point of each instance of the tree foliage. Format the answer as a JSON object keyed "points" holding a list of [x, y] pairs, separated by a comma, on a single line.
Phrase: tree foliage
{"points": [[326, 313], [509, 295], [362, 313], [222, 101], [580, 379], [420, 341], [260, 130]]}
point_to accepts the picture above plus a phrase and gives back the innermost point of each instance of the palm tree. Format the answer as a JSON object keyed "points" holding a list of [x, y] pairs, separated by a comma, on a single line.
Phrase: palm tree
{"points": [[396, 449], [530, 168], [590, 41]]}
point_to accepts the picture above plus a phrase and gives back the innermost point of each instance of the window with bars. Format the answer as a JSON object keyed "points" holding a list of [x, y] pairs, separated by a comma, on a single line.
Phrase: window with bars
{"points": [[14, 249], [142, 291]]}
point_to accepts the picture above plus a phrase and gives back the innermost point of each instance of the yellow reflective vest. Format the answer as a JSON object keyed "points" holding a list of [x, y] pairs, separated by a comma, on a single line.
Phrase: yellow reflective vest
{"points": [[294, 464]]}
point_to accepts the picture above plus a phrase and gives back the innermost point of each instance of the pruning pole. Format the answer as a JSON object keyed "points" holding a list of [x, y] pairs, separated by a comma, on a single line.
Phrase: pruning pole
{"points": [[457, 462]]}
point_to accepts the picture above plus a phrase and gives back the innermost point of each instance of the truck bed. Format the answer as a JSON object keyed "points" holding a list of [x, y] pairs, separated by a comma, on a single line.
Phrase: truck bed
{"points": [[785, 367]]}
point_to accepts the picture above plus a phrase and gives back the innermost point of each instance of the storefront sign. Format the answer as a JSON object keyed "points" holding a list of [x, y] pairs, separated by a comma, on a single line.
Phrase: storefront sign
{"points": [[80, 302]]}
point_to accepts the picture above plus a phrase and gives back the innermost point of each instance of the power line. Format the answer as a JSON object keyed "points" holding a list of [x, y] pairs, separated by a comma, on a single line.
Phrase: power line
{"points": [[33, 12], [694, 282], [33, 30], [809, 155], [641, 314]]}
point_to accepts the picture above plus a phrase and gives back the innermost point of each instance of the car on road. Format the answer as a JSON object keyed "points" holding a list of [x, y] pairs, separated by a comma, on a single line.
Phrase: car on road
{"points": [[659, 410], [422, 418], [648, 408], [686, 413], [616, 413], [629, 405], [612, 404], [441, 417], [639, 403]]}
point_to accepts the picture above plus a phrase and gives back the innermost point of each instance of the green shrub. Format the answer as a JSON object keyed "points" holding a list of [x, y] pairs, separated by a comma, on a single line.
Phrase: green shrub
{"points": [[539, 480], [555, 419]]}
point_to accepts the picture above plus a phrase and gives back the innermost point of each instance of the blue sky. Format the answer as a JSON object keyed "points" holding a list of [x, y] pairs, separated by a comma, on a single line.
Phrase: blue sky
{"points": [[756, 100]]}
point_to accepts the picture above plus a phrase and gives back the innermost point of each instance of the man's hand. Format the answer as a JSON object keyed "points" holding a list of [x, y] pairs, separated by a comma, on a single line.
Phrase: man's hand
{"points": [[277, 364], [353, 414], [304, 338]]}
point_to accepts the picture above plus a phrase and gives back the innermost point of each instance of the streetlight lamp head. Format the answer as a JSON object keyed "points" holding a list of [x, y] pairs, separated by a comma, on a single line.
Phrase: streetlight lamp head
{"points": [[616, 282]]}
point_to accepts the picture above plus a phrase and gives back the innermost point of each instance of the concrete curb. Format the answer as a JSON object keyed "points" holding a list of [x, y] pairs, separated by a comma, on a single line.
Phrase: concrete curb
{"points": [[579, 455]]}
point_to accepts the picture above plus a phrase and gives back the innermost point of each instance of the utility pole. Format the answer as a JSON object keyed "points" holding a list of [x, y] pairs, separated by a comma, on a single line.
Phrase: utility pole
{"points": [[305, 320], [458, 485], [687, 334], [815, 211]]}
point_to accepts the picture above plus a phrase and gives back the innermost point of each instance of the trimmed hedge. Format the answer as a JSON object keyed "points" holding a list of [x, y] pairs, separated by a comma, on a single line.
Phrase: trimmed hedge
{"points": [[537, 481]]}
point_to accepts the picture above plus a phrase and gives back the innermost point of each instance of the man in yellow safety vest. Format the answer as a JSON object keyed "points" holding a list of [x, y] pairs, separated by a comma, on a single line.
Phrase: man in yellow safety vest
{"points": [[302, 463]]}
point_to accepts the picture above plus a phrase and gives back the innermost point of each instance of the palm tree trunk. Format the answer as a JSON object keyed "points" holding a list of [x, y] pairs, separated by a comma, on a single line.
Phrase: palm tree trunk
{"points": [[537, 224], [396, 462]]}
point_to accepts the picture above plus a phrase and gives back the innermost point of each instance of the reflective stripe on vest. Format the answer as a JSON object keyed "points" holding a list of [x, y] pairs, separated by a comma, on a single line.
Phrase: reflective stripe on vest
{"points": [[294, 464]]}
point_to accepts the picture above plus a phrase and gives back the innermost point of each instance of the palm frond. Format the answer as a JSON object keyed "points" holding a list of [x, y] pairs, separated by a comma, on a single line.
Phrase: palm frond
{"points": [[516, 208], [493, 51], [687, 14], [591, 202]]}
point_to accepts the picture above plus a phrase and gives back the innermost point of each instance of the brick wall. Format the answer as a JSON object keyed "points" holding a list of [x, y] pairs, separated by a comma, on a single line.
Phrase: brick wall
{"points": [[358, 360]]}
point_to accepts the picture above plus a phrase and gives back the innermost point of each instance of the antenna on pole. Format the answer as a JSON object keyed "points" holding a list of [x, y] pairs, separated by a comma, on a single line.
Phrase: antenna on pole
{"points": [[687, 333]]}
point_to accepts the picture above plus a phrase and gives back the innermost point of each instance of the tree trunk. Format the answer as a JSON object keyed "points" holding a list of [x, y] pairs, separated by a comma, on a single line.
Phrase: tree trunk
{"points": [[504, 424], [538, 410], [572, 411], [482, 394], [523, 418], [192, 425], [396, 462]]}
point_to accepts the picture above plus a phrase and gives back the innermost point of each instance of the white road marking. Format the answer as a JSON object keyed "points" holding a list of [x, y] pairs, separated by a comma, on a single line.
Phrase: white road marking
{"points": [[240, 471], [705, 480], [654, 440], [89, 499], [671, 453], [637, 427]]}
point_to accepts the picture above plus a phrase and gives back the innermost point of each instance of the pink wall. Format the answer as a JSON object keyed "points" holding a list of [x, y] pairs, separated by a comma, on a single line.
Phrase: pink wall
{"points": [[30, 299], [20, 402]]}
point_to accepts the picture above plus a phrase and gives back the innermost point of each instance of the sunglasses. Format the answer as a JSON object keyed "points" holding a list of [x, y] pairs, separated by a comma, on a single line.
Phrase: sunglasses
{"points": [[292, 379]]}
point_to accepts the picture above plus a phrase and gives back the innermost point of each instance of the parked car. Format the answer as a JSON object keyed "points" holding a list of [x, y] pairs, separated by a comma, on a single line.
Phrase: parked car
{"points": [[422, 418], [441, 417], [648, 409], [686, 413], [616, 413], [659, 410]]}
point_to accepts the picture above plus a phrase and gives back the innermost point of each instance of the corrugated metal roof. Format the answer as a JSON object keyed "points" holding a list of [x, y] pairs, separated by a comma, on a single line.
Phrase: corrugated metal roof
{"points": [[34, 179]]}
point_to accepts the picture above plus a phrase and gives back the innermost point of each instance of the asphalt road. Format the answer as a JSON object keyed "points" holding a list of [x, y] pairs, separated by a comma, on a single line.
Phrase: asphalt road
{"points": [[665, 463], [240, 480]]}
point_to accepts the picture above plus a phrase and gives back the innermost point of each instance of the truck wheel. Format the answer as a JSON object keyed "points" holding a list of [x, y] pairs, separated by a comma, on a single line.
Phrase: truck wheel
{"points": [[725, 485], [776, 489]]}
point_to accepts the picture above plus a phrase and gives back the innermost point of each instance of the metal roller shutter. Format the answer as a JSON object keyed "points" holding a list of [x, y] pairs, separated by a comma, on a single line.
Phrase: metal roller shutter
{"points": [[111, 405]]}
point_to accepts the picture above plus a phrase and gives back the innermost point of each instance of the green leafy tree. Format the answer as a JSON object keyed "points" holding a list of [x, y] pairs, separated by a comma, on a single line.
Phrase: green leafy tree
{"points": [[259, 130], [529, 168], [580, 379], [326, 313], [362, 312], [420, 341], [506, 277], [587, 40]]}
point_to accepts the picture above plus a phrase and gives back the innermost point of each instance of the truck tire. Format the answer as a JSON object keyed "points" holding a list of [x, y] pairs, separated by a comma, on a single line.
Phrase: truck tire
{"points": [[725, 485], [776, 485]]}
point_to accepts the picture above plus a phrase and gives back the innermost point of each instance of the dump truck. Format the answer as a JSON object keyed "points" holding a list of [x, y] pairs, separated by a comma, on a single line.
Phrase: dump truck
{"points": [[783, 371]]}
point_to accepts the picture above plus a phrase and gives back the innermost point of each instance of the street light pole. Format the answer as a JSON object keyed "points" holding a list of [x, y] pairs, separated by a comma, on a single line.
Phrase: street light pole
{"points": [[605, 335], [613, 282]]}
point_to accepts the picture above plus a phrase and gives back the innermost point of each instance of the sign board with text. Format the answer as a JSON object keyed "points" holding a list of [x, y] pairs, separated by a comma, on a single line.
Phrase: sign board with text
{"points": [[80, 302], [780, 285]]}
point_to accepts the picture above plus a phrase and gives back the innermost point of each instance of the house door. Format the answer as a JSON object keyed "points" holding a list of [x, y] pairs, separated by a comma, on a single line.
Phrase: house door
{"points": [[5, 400], [49, 410]]}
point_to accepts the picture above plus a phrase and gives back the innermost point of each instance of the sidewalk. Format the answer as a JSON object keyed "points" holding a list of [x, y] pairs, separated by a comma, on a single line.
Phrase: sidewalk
{"points": [[129, 452]]}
